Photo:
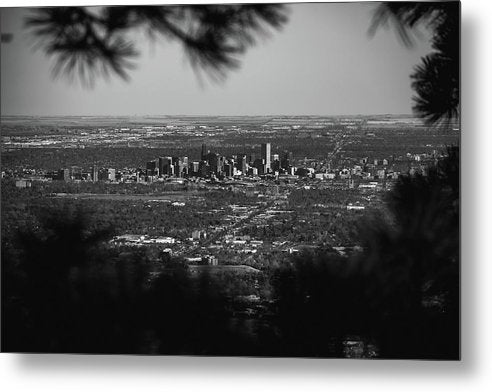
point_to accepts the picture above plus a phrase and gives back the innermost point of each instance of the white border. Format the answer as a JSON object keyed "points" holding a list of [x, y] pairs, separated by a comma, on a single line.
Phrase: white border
{"points": [[473, 373]]}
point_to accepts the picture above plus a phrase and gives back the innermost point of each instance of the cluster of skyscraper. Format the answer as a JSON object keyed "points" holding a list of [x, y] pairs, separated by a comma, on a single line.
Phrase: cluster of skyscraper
{"points": [[212, 164], [76, 173]]}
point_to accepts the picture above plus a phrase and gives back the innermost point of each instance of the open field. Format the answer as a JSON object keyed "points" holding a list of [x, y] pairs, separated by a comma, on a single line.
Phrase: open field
{"points": [[169, 197]]}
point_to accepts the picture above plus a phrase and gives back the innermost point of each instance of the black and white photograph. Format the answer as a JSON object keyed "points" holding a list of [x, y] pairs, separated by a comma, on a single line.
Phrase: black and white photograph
{"points": [[232, 180]]}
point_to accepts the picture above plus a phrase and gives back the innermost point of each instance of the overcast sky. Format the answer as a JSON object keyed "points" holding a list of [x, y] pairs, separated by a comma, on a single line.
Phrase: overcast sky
{"points": [[322, 62]]}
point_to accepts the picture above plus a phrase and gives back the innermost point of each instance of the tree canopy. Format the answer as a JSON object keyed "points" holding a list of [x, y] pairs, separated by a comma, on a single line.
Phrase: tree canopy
{"points": [[436, 80], [92, 41]]}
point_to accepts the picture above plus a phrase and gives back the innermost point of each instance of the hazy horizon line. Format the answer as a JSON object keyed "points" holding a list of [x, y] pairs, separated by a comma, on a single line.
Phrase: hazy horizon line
{"points": [[207, 115]]}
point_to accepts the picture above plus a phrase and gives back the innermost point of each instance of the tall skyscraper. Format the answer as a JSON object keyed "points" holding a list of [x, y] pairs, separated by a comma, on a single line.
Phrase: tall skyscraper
{"points": [[204, 152], [76, 173], [152, 167], [204, 169], [64, 174], [241, 163], [195, 166], [165, 164], [107, 174], [287, 160], [266, 149], [228, 170], [94, 174], [221, 161], [213, 161], [111, 174], [162, 162]]}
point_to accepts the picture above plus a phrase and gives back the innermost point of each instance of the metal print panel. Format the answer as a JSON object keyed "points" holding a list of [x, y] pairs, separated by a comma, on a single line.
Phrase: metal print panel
{"points": [[231, 180]]}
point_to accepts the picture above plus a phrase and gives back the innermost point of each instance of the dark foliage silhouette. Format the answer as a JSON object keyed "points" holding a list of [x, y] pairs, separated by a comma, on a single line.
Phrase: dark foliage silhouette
{"points": [[400, 297], [437, 85], [436, 80], [412, 264], [319, 305], [89, 41], [190, 315], [65, 291], [413, 261]]}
